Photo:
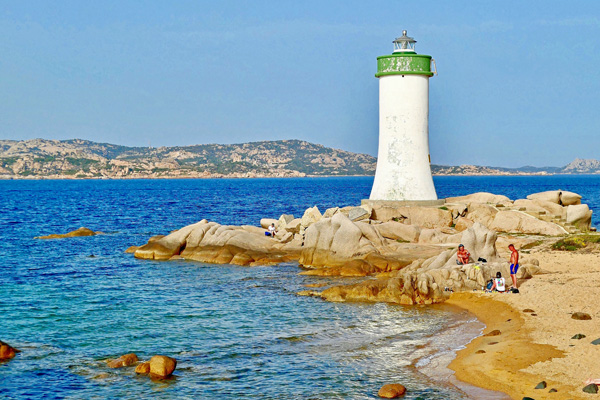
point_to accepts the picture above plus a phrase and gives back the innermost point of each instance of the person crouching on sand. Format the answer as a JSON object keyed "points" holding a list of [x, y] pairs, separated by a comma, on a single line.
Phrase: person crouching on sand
{"points": [[462, 255], [514, 265], [499, 283]]}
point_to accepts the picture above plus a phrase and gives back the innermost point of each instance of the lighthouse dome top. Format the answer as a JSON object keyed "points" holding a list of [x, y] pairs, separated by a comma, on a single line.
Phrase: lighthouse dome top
{"points": [[404, 44]]}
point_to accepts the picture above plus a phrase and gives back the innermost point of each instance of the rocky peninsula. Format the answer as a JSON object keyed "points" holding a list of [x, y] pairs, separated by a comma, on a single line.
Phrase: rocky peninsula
{"points": [[406, 254]]}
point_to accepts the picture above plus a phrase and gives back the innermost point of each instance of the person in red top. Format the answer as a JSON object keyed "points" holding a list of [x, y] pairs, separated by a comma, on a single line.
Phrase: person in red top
{"points": [[462, 255], [514, 264]]}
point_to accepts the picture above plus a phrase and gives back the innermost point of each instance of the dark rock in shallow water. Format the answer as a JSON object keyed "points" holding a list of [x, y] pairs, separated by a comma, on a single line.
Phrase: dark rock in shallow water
{"points": [[578, 336], [581, 316], [541, 385], [480, 352], [552, 390], [528, 398], [591, 388]]}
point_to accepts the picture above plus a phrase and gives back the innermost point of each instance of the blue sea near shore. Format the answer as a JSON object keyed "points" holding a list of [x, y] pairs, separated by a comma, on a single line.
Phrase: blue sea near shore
{"points": [[236, 331]]}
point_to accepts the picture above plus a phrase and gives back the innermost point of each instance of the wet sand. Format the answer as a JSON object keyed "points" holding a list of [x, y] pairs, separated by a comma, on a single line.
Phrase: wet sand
{"points": [[535, 346]]}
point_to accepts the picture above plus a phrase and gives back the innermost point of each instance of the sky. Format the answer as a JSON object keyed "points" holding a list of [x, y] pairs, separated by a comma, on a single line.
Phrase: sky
{"points": [[518, 81]]}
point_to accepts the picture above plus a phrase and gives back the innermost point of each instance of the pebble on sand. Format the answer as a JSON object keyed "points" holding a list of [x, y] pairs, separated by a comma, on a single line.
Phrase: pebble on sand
{"points": [[581, 316], [495, 332], [591, 388], [541, 385]]}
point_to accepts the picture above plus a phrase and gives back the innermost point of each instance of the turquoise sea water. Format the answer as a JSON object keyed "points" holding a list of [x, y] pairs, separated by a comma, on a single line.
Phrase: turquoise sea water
{"points": [[237, 332]]}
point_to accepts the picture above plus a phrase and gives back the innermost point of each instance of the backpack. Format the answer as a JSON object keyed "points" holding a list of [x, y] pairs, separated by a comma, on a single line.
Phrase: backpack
{"points": [[490, 284]]}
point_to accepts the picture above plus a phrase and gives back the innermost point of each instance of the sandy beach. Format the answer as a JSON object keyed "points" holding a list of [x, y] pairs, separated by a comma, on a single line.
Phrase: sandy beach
{"points": [[534, 342]]}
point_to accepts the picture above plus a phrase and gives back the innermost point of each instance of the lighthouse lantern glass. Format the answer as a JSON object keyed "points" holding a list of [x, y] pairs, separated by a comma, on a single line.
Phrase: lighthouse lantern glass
{"points": [[404, 44]]}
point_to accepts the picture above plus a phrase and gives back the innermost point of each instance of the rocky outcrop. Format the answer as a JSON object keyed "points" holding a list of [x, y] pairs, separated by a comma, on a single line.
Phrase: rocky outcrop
{"points": [[338, 246], [409, 259], [220, 244], [481, 198], [427, 281], [560, 197], [311, 215], [579, 215], [517, 221], [76, 233], [398, 231], [424, 217]]}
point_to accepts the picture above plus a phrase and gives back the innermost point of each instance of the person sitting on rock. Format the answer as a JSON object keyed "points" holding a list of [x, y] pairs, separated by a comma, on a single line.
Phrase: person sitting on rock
{"points": [[462, 255], [499, 283], [272, 230]]}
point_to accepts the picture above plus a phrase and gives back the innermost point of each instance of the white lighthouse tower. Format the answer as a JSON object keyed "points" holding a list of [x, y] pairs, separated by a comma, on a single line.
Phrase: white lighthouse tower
{"points": [[403, 165]]}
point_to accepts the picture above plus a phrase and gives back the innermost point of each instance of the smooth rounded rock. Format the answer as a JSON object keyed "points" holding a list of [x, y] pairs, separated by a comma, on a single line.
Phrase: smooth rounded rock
{"points": [[391, 391], [162, 366]]}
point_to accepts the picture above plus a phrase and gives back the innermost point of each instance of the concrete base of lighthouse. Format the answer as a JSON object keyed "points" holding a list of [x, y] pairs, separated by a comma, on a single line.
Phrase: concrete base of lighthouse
{"points": [[403, 203]]}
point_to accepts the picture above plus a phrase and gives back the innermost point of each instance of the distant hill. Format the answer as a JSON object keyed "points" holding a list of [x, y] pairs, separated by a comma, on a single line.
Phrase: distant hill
{"points": [[41, 158], [85, 159], [581, 166]]}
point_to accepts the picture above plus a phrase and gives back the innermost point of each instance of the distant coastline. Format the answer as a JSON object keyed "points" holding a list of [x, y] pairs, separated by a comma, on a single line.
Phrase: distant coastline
{"points": [[82, 159]]}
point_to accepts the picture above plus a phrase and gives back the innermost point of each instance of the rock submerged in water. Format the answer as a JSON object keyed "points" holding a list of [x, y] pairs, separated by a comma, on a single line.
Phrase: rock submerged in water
{"points": [[391, 391], [143, 368], [7, 352], [76, 233], [125, 360]]}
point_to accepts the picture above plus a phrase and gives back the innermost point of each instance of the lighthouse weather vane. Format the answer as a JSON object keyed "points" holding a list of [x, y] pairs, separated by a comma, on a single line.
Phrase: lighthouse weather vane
{"points": [[403, 165]]}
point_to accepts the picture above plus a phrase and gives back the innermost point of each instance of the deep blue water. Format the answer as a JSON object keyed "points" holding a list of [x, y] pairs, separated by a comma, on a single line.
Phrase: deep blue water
{"points": [[236, 332]]}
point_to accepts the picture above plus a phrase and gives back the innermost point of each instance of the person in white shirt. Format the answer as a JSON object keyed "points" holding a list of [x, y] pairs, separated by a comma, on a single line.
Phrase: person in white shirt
{"points": [[272, 230], [499, 283]]}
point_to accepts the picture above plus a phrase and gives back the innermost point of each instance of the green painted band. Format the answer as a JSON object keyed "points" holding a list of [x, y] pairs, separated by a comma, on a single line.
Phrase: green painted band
{"points": [[404, 64], [380, 74], [405, 55]]}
